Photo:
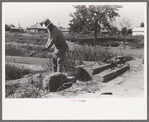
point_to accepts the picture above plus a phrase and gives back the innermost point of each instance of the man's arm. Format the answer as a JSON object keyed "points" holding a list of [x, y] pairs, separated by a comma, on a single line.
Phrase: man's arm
{"points": [[50, 41]]}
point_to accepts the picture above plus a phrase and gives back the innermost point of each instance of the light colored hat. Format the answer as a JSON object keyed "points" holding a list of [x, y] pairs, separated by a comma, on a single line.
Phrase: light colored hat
{"points": [[47, 22]]}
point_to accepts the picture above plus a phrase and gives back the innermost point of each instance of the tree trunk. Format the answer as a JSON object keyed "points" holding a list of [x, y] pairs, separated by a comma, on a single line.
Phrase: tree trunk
{"points": [[95, 39]]}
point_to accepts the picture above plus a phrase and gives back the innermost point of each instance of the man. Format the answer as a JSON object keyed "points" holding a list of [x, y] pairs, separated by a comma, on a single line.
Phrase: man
{"points": [[57, 39]]}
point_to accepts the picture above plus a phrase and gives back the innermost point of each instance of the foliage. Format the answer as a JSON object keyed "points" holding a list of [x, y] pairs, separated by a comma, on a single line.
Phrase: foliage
{"points": [[14, 72], [7, 27], [125, 23], [25, 50], [87, 53], [124, 31], [114, 30], [84, 17], [129, 31], [136, 45], [38, 39], [142, 24], [115, 44], [12, 50], [128, 57]]}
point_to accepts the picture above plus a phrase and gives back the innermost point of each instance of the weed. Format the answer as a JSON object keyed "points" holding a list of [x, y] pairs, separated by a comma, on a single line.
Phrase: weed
{"points": [[33, 89], [86, 53], [115, 44], [128, 57], [136, 45], [14, 50], [14, 72], [31, 92], [24, 50], [38, 39]]}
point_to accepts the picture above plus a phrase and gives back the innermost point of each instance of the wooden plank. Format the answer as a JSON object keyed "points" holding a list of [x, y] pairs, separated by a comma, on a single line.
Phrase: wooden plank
{"points": [[109, 76]]}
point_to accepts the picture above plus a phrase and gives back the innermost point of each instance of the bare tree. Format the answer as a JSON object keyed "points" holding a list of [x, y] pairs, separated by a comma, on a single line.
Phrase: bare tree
{"points": [[125, 23]]}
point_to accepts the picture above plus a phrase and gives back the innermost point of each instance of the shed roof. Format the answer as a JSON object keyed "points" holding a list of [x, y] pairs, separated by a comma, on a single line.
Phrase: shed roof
{"points": [[36, 26], [138, 29]]}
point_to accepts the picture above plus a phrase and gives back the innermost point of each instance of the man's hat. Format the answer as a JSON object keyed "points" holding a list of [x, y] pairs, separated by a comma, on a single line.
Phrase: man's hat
{"points": [[47, 22]]}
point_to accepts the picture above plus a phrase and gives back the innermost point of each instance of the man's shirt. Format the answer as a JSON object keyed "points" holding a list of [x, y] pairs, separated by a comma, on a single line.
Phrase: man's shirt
{"points": [[58, 38]]}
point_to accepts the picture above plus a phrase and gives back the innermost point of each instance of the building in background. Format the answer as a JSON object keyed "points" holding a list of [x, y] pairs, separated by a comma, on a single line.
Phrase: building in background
{"points": [[65, 30], [138, 31], [104, 30], [37, 28], [16, 29]]}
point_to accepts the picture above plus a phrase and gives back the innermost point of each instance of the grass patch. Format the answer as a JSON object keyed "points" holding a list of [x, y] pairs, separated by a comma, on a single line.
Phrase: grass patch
{"points": [[90, 53], [136, 45], [128, 57], [14, 72], [86, 53], [38, 39], [41, 39], [25, 50], [12, 50]]}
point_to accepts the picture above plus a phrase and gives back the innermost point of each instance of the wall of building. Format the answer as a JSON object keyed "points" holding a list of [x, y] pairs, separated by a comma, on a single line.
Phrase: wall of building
{"points": [[36, 31]]}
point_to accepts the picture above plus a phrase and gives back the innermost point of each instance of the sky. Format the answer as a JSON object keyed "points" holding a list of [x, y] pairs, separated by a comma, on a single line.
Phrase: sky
{"points": [[29, 13]]}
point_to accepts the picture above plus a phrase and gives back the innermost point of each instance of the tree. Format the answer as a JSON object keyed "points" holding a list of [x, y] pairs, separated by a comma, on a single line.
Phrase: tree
{"points": [[129, 31], [7, 27], [84, 17], [125, 23], [142, 24], [124, 31], [41, 23], [114, 30]]}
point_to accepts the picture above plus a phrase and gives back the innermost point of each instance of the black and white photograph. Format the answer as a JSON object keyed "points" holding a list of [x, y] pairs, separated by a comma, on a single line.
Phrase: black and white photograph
{"points": [[74, 52]]}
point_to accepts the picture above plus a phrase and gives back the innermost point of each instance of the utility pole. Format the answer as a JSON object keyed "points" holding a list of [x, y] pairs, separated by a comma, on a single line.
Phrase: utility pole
{"points": [[59, 24]]}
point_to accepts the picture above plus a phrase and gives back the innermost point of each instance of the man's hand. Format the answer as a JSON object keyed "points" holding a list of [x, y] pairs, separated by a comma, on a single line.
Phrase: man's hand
{"points": [[43, 49], [33, 53]]}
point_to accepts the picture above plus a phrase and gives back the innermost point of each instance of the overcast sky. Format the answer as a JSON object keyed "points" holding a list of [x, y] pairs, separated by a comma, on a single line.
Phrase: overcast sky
{"points": [[29, 13]]}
